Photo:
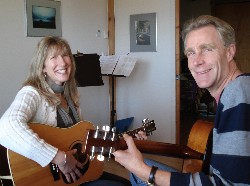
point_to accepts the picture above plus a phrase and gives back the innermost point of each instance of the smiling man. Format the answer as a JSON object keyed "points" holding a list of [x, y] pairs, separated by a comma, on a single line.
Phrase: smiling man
{"points": [[210, 59], [210, 48]]}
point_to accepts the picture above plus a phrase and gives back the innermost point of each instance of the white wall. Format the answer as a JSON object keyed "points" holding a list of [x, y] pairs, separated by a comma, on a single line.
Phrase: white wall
{"points": [[81, 20], [150, 90]]}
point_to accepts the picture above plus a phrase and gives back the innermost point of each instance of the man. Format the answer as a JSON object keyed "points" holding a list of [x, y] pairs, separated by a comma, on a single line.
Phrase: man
{"points": [[210, 48]]}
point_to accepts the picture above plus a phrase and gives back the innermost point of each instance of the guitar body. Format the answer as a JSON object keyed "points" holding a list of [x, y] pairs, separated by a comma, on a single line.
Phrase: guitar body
{"points": [[25, 172], [198, 140]]}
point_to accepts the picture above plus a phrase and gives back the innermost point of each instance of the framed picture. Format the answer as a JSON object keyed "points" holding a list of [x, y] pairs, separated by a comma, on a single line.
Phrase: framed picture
{"points": [[143, 36], [43, 18]]}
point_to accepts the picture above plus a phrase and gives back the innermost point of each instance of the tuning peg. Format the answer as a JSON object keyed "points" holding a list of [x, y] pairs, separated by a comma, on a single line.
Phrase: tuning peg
{"points": [[113, 133], [100, 157], [111, 150], [96, 132], [146, 120], [106, 128], [92, 150], [113, 129]]}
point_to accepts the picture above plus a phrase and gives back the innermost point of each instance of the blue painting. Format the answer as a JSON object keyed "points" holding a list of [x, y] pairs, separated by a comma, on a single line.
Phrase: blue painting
{"points": [[44, 17]]}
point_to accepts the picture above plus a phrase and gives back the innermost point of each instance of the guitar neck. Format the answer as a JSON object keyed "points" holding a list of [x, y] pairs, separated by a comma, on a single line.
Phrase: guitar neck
{"points": [[165, 149], [145, 146], [135, 131]]}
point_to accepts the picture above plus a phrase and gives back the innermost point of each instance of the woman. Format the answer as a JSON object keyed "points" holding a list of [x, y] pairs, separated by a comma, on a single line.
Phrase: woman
{"points": [[48, 96]]}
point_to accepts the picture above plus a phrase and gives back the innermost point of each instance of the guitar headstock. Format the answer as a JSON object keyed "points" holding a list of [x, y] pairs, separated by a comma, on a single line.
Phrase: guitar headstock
{"points": [[148, 126], [106, 141]]}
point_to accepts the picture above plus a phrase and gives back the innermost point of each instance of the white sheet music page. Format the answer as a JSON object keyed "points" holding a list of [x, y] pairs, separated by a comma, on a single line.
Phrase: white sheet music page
{"points": [[108, 63], [125, 65]]}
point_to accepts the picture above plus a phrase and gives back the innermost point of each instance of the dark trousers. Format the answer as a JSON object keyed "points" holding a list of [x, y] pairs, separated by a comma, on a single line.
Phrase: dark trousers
{"points": [[108, 179]]}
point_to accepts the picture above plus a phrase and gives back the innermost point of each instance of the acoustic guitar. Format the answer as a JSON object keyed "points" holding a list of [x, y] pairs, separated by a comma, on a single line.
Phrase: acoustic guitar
{"points": [[20, 171], [93, 145]]}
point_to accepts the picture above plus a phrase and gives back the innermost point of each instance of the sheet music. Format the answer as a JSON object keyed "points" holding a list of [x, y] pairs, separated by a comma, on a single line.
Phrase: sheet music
{"points": [[125, 65], [117, 65], [108, 64]]}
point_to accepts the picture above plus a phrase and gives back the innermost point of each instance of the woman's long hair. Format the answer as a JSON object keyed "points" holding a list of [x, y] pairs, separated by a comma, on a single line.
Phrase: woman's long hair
{"points": [[58, 46]]}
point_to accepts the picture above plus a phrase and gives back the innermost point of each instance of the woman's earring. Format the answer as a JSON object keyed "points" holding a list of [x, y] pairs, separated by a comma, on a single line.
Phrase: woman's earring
{"points": [[45, 75]]}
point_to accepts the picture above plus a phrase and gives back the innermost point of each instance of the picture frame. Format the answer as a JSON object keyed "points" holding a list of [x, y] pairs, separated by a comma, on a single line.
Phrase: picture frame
{"points": [[43, 18], [143, 32]]}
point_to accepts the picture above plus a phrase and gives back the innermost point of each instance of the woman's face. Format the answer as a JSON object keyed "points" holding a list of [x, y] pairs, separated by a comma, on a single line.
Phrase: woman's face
{"points": [[58, 67]]}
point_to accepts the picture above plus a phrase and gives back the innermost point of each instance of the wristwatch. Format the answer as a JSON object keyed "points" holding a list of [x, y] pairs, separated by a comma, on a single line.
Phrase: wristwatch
{"points": [[151, 178]]}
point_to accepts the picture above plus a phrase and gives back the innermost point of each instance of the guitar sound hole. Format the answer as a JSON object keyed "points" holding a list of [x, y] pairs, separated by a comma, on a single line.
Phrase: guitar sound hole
{"points": [[81, 157]]}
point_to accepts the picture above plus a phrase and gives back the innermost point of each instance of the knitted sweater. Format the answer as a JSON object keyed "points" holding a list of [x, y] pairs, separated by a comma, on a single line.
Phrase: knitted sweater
{"points": [[230, 160], [15, 134]]}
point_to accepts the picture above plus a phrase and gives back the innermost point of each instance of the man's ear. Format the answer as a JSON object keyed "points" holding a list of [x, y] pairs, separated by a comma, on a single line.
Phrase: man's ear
{"points": [[231, 52]]}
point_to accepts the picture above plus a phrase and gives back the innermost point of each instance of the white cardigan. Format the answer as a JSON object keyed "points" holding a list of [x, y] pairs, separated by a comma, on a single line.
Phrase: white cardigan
{"points": [[15, 134]]}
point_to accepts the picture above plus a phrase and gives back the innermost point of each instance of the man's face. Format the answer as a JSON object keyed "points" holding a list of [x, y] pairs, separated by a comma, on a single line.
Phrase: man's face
{"points": [[207, 57]]}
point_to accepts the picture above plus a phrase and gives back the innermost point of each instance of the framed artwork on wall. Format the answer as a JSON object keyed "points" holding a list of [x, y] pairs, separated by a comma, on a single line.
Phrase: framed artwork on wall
{"points": [[43, 18], [143, 32]]}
